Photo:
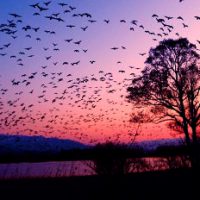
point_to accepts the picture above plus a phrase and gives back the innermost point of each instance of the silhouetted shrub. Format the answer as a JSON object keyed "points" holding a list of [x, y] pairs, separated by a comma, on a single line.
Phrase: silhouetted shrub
{"points": [[138, 165], [174, 162], [174, 157], [112, 159]]}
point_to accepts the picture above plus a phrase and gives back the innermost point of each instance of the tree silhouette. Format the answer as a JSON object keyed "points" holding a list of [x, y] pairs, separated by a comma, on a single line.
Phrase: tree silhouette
{"points": [[169, 87]]}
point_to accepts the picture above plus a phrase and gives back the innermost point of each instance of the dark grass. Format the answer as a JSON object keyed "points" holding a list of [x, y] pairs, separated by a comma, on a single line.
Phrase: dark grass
{"points": [[174, 184]]}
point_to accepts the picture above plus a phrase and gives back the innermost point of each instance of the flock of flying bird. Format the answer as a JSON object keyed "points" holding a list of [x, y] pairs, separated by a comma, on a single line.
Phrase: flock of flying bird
{"points": [[60, 102]]}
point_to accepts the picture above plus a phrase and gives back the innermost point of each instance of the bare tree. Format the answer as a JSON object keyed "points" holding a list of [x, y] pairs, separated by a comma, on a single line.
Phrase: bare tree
{"points": [[169, 87]]}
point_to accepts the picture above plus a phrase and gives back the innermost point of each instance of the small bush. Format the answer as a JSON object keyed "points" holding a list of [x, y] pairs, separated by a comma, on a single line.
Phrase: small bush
{"points": [[111, 159]]}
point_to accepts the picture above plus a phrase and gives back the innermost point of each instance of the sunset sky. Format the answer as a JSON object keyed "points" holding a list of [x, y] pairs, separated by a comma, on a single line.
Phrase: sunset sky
{"points": [[71, 83]]}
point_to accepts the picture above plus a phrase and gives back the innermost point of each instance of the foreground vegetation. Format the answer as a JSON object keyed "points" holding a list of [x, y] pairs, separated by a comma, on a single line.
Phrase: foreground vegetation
{"points": [[171, 184]]}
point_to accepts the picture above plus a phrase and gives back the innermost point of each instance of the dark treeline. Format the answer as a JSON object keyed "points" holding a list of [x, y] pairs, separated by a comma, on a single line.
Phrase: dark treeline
{"points": [[95, 152]]}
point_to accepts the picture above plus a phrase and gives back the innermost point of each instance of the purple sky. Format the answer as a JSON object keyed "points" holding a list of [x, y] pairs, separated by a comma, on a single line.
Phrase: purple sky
{"points": [[84, 101]]}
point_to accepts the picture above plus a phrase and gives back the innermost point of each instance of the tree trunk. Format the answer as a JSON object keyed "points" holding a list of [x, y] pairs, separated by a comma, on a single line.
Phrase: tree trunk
{"points": [[192, 151], [186, 132], [195, 149], [194, 134]]}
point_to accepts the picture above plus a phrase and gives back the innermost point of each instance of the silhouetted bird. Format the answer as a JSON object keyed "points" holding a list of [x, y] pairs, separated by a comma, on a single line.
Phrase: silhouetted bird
{"points": [[197, 17], [47, 3], [106, 20], [15, 15], [179, 17]]}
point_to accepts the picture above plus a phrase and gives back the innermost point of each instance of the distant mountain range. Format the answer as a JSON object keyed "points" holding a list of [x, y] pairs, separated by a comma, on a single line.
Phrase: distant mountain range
{"points": [[35, 144], [38, 144], [151, 145]]}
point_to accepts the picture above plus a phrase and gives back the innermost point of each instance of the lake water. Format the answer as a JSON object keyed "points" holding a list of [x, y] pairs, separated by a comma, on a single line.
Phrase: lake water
{"points": [[71, 168], [45, 169]]}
